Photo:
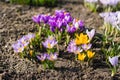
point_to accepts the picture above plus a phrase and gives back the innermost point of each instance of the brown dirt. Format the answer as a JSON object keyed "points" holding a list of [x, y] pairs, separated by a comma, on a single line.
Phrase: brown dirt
{"points": [[15, 21]]}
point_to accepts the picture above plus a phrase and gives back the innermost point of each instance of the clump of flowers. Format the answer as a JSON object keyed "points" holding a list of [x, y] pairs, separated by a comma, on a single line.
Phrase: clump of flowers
{"points": [[61, 24], [111, 46], [48, 58], [112, 18], [60, 20], [110, 5], [112, 54], [111, 25], [91, 4], [81, 46], [107, 5], [22, 43], [57, 27]]}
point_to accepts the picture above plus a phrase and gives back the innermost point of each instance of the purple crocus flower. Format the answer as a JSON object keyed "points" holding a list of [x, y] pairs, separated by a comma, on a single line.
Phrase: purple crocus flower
{"points": [[22, 43], [81, 24], [78, 24], [46, 18], [72, 48], [90, 33], [26, 39], [42, 57], [112, 18], [30, 36], [52, 56], [106, 16], [71, 28], [113, 60], [52, 21], [109, 17], [41, 18], [59, 23], [68, 18], [86, 46], [63, 17], [37, 19], [18, 47], [50, 42], [60, 13], [52, 28]]}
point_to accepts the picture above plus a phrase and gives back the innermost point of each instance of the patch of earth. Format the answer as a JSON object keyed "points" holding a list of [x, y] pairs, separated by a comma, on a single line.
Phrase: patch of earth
{"points": [[15, 21]]}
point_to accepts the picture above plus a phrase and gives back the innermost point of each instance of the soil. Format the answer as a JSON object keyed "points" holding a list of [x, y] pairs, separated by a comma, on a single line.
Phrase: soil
{"points": [[15, 21]]}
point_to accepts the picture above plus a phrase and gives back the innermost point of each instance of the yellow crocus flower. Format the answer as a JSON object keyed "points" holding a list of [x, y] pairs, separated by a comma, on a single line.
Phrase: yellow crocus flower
{"points": [[81, 56], [81, 39], [90, 54]]}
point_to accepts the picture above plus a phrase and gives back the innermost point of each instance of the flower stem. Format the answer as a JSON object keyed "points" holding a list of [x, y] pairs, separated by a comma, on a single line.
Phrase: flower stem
{"points": [[113, 71]]}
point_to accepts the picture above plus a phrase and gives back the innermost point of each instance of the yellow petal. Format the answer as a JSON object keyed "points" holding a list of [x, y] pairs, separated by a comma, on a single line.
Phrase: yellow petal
{"points": [[90, 54], [81, 56], [81, 39]]}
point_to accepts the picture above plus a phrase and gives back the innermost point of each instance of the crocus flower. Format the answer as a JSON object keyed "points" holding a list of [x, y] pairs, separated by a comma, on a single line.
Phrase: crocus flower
{"points": [[45, 18], [22, 43], [81, 39], [30, 36], [18, 47], [86, 46], [113, 60], [52, 56], [52, 20], [81, 24], [37, 18], [67, 19], [72, 48], [78, 24], [90, 54], [50, 42], [59, 13], [71, 28], [112, 18], [63, 17], [81, 56], [42, 57], [59, 23], [90, 33], [26, 39], [41, 18], [109, 17]]}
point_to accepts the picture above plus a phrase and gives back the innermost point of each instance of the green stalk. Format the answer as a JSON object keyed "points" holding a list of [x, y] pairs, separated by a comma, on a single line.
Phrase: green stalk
{"points": [[113, 71]]}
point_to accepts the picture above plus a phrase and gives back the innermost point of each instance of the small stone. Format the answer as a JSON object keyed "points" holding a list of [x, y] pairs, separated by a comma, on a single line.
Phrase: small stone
{"points": [[84, 76]]}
